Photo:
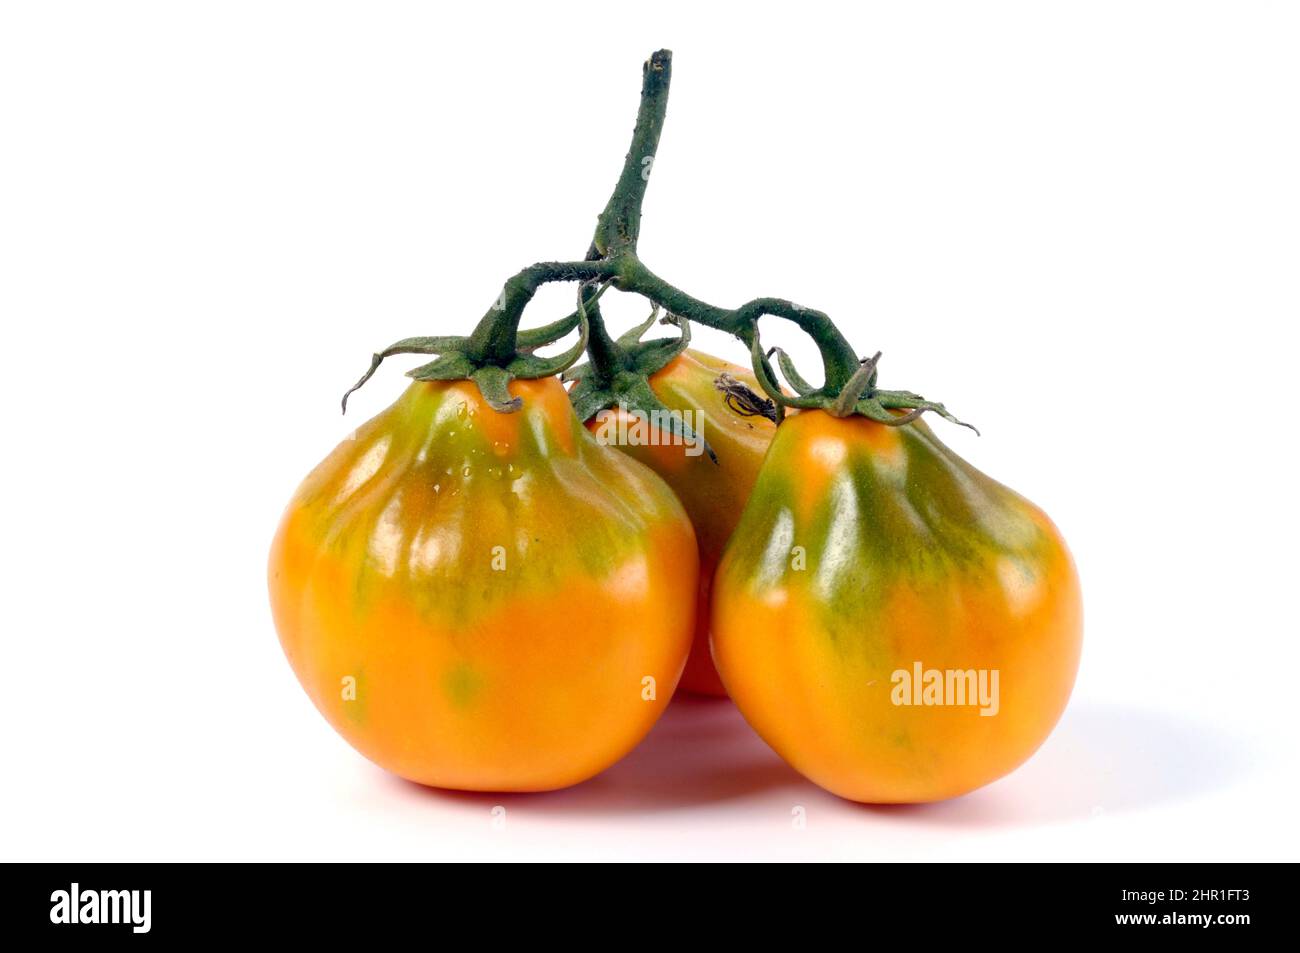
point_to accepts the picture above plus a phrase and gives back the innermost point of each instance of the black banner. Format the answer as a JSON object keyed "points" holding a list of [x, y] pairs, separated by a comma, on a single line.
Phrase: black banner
{"points": [[136, 903]]}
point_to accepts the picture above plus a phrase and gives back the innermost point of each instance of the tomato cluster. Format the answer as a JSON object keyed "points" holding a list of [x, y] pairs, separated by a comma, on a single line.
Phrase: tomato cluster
{"points": [[481, 590]]}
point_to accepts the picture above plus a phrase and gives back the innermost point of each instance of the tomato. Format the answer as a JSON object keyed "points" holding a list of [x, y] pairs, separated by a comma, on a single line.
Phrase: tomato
{"points": [[713, 494], [895, 624], [483, 600]]}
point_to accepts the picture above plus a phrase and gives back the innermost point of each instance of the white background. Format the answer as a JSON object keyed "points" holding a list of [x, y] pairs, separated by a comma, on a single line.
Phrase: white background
{"points": [[1076, 224]]}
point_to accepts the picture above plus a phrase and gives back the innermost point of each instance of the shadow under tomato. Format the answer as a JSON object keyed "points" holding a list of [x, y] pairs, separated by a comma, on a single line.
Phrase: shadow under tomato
{"points": [[1099, 760], [700, 752]]}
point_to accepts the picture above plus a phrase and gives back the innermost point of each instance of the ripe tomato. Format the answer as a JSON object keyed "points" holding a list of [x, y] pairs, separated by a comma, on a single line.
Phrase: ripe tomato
{"points": [[485, 601], [714, 494], [868, 558]]}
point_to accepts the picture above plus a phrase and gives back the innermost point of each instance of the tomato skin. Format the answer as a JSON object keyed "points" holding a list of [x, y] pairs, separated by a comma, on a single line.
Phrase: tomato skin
{"points": [[713, 494], [496, 586], [910, 555]]}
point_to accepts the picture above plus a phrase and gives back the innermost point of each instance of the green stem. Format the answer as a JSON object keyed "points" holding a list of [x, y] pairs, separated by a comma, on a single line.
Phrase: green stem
{"points": [[620, 224], [613, 254], [838, 357], [496, 352], [495, 339], [603, 352], [616, 240]]}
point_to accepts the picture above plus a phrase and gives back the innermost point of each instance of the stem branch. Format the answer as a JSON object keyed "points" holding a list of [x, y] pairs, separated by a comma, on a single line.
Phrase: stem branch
{"points": [[495, 339]]}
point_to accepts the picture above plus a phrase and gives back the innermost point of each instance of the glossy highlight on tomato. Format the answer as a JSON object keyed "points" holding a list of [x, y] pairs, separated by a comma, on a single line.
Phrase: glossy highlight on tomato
{"points": [[713, 494], [483, 600], [867, 551]]}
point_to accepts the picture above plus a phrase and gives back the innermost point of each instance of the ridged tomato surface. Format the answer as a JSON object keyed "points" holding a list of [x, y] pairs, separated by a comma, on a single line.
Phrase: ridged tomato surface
{"points": [[866, 552], [485, 601]]}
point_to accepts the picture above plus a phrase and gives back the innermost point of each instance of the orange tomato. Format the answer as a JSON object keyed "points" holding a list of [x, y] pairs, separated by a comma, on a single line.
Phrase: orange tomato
{"points": [[485, 601], [895, 624], [713, 494]]}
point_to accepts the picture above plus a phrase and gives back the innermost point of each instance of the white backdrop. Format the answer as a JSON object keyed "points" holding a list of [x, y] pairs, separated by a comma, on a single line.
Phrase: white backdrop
{"points": [[1076, 224]]}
